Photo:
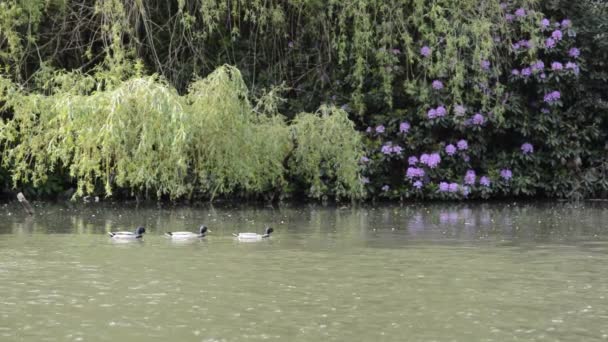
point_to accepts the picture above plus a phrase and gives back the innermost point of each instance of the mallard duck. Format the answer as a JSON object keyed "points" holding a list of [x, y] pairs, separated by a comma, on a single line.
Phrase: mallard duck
{"points": [[202, 231], [253, 236], [139, 232]]}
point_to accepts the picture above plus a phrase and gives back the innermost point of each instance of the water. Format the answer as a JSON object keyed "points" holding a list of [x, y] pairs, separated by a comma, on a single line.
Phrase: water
{"points": [[500, 272]]}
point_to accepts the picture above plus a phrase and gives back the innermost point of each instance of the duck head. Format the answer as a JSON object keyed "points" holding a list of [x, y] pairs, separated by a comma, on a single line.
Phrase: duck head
{"points": [[269, 230], [140, 230], [203, 230]]}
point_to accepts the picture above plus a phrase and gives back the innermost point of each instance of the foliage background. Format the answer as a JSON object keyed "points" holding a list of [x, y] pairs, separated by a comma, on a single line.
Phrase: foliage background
{"points": [[135, 97]]}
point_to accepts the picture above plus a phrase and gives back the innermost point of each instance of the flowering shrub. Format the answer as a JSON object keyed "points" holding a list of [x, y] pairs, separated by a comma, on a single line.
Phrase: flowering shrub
{"points": [[520, 139]]}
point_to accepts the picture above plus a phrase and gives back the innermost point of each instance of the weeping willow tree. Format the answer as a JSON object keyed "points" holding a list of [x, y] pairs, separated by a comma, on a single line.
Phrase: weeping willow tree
{"points": [[134, 136], [327, 153], [142, 136], [234, 148]]}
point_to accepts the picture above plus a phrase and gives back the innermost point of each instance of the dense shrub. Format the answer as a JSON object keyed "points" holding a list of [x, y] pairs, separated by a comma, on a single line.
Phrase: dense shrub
{"points": [[143, 136], [526, 129]]}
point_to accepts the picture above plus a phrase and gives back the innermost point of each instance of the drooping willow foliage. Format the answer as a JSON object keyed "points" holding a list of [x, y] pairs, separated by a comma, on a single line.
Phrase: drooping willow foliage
{"points": [[234, 147], [325, 143], [143, 136]]}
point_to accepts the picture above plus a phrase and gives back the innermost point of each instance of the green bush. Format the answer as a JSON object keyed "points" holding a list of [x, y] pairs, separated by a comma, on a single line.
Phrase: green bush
{"points": [[142, 136]]}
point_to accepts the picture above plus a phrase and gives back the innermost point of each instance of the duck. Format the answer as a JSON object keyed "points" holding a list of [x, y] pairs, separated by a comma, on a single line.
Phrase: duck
{"points": [[138, 234], [254, 236], [202, 231]]}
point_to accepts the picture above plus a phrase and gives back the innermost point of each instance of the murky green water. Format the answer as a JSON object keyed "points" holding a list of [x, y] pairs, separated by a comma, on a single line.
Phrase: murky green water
{"points": [[436, 273]]}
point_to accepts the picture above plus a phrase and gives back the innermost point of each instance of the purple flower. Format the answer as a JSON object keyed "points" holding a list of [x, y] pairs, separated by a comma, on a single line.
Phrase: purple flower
{"points": [[444, 187], [397, 149], [437, 85], [368, 130], [396, 51], [432, 160], [462, 145], [506, 174], [545, 110], [425, 51], [543, 76], [365, 180], [485, 65], [417, 184], [385, 188], [364, 160], [514, 72], [465, 190], [556, 66], [469, 177], [552, 96], [574, 52], [459, 110], [404, 127], [440, 111], [424, 158], [527, 148], [538, 65], [484, 180], [550, 43], [545, 23], [566, 23], [526, 72], [503, 5], [432, 113], [380, 129], [450, 150], [509, 17], [557, 35], [387, 148], [466, 158], [412, 160], [520, 12], [453, 187], [573, 67], [290, 44], [515, 46], [478, 119], [414, 172]]}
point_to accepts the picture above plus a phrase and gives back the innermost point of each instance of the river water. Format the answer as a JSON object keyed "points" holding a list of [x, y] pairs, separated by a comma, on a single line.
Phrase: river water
{"points": [[442, 272]]}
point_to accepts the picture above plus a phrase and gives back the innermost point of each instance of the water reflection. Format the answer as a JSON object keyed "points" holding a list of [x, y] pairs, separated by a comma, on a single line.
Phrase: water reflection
{"points": [[524, 222], [466, 272]]}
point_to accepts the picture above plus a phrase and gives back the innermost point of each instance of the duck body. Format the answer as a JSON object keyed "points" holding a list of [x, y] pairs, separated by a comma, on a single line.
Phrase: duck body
{"points": [[188, 235], [124, 235], [251, 237]]}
